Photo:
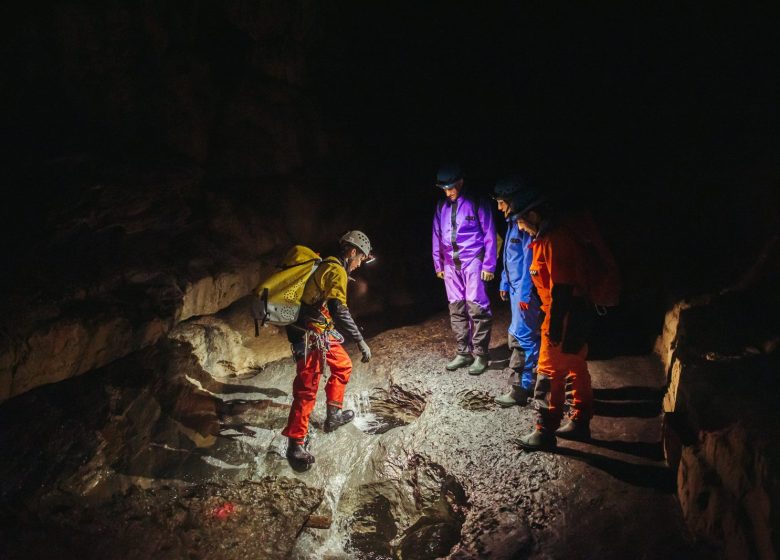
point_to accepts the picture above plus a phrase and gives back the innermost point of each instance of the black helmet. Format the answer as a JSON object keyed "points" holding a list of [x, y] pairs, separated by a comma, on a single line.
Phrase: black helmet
{"points": [[505, 189], [525, 200], [448, 175]]}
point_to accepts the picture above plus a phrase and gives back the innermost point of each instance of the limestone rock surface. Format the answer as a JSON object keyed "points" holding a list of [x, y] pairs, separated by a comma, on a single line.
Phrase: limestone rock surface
{"points": [[721, 421]]}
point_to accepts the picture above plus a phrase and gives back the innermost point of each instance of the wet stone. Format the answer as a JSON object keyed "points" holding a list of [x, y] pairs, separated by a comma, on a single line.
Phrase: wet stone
{"points": [[155, 450], [373, 528], [227, 521]]}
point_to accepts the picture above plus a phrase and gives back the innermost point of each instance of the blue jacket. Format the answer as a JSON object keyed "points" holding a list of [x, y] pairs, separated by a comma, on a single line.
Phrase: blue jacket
{"points": [[517, 260]]}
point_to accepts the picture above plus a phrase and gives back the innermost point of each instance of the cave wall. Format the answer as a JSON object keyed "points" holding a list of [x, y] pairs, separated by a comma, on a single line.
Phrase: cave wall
{"points": [[721, 424], [128, 126], [218, 83], [162, 156]]}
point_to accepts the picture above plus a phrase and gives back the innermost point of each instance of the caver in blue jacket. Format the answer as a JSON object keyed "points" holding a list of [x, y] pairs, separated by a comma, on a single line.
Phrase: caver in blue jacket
{"points": [[524, 330]]}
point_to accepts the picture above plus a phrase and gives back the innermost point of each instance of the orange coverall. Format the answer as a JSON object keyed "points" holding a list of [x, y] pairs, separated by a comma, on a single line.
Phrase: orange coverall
{"points": [[558, 258], [329, 281]]}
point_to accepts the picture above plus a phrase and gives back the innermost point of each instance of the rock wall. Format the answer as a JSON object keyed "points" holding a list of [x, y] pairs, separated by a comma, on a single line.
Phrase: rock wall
{"points": [[126, 451], [721, 421], [130, 128], [219, 83], [120, 266]]}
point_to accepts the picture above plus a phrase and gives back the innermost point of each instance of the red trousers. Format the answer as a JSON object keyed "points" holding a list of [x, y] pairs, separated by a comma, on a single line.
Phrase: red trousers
{"points": [[307, 381], [553, 370]]}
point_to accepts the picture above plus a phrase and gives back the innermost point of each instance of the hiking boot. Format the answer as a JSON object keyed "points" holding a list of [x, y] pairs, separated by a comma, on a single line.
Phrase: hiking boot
{"points": [[461, 360], [337, 417], [296, 452], [516, 396], [479, 366], [574, 429], [538, 440]]}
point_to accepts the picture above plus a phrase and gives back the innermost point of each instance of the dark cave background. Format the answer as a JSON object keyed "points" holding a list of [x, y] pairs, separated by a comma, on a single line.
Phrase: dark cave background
{"points": [[662, 118]]}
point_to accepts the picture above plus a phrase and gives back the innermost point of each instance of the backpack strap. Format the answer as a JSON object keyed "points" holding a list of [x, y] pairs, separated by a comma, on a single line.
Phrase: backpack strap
{"points": [[289, 266]]}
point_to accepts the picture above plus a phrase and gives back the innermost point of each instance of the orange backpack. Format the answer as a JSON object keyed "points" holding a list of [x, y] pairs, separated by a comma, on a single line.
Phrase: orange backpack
{"points": [[602, 275]]}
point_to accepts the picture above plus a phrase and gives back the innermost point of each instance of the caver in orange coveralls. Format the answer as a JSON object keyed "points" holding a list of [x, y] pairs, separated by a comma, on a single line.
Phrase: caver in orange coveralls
{"points": [[316, 343], [558, 271]]}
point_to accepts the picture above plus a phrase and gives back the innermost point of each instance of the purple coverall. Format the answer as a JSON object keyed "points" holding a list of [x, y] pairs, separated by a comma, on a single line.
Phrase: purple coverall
{"points": [[464, 245]]}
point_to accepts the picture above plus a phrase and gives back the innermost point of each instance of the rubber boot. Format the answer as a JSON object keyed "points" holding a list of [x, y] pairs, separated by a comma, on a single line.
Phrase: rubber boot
{"points": [[461, 360], [538, 440], [516, 396], [296, 452], [574, 429], [479, 366], [337, 417]]}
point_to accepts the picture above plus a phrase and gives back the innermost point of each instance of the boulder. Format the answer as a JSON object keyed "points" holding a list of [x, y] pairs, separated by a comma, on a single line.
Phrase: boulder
{"points": [[721, 425]]}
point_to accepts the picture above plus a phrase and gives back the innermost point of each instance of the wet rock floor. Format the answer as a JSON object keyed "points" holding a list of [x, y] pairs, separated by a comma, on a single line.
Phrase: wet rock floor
{"points": [[165, 455]]}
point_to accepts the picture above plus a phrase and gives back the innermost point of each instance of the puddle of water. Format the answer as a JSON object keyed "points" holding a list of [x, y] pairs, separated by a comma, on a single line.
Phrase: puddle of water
{"points": [[339, 455], [368, 423], [365, 420], [372, 419]]}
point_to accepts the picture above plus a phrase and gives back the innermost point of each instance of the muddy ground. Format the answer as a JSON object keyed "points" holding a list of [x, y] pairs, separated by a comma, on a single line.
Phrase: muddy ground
{"points": [[175, 452]]}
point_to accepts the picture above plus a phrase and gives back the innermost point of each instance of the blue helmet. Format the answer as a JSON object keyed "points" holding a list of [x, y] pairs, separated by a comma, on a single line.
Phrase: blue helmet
{"points": [[448, 175], [505, 189], [525, 200]]}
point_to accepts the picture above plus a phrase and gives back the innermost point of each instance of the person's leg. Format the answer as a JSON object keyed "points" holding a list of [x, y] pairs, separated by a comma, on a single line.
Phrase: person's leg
{"points": [[305, 387], [581, 397], [478, 304], [518, 394], [340, 365], [548, 398], [527, 332], [516, 359], [582, 392], [549, 390], [459, 319]]}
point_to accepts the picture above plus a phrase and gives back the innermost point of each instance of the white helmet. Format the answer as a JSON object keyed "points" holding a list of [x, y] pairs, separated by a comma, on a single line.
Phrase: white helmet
{"points": [[359, 240]]}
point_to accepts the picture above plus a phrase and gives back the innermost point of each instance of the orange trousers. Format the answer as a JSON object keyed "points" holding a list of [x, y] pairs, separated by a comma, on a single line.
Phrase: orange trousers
{"points": [[553, 370], [307, 382]]}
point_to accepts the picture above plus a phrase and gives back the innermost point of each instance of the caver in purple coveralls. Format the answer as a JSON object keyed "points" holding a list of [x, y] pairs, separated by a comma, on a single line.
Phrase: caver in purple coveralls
{"points": [[464, 245]]}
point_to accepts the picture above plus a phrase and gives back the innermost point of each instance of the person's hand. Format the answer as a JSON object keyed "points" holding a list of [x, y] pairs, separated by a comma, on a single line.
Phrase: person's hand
{"points": [[487, 276], [523, 305], [365, 350], [503, 295], [440, 275]]}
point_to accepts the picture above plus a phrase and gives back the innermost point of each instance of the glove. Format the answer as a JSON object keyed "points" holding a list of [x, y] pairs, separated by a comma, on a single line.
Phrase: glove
{"points": [[440, 275], [487, 276], [503, 295], [523, 305], [365, 350]]}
